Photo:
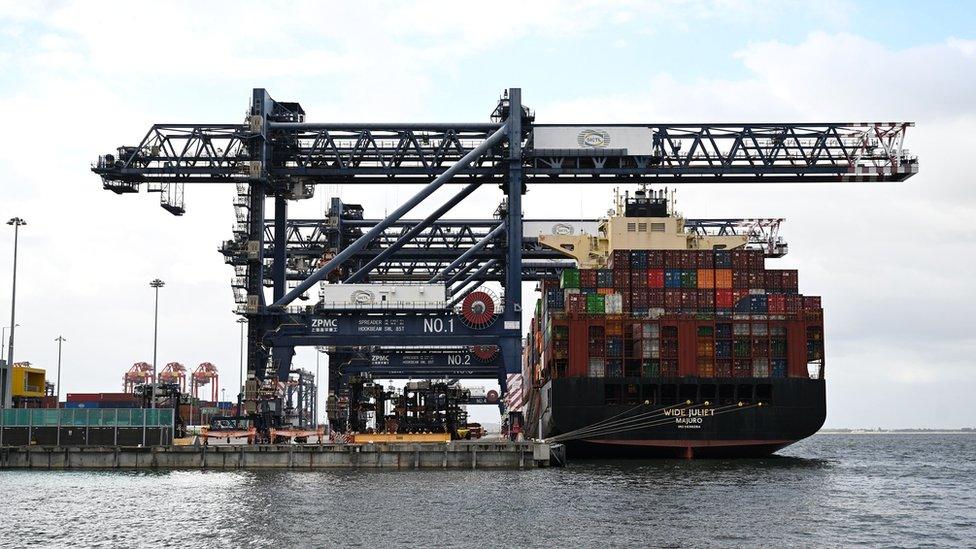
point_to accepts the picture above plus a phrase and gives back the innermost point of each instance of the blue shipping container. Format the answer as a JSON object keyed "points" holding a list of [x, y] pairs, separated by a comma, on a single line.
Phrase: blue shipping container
{"points": [[84, 405], [672, 278]]}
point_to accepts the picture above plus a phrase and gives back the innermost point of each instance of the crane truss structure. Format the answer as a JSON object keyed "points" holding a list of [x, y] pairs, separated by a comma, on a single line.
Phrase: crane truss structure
{"points": [[276, 154]]}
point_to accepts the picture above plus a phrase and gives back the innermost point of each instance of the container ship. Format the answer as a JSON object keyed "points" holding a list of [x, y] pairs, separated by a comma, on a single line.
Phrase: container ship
{"points": [[666, 342]]}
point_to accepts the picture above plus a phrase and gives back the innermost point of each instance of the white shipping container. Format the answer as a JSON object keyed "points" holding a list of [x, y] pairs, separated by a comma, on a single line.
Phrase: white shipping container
{"points": [[597, 366], [384, 296], [614, 304]]}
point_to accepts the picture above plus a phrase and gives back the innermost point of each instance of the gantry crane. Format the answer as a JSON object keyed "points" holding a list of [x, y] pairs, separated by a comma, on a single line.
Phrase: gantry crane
{"points": [[276, 154], [138, 373], [174, 373], [205, 374]]}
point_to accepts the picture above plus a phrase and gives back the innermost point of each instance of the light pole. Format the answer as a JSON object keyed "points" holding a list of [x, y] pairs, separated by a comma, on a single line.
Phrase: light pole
{"points": [[57, 395], [155, 284], [240, 380], [3, 341], [318, 353], [7, 399]]}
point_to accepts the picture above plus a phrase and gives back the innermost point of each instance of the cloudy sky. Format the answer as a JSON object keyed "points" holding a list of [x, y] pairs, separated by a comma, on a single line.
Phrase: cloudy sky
{"points": [[894, 262]]}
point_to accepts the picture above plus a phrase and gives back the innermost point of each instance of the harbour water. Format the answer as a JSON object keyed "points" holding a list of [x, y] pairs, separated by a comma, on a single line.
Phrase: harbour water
{"points": [[830, 490]]}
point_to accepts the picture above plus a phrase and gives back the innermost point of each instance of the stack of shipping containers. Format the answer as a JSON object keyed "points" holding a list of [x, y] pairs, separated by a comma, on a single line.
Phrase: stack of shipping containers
{"points": [[197, 411], [677, 313]]}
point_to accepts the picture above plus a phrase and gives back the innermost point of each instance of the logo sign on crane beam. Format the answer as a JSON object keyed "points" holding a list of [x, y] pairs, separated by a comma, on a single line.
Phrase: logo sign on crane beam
{"points": [[634, 140]]}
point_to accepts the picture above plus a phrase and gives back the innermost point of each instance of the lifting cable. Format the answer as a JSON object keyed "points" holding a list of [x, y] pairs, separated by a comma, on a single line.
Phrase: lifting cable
{"points": [[628, 425]]}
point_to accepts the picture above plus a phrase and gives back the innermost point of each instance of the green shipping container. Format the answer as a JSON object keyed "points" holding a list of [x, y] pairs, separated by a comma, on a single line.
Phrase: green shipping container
{"points": [[651, 368], [570, 278], [689, 279], [595, 304]]}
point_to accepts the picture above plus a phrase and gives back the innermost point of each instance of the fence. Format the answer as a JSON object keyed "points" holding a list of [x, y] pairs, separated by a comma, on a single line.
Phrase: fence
{"points": [[130, 426]]}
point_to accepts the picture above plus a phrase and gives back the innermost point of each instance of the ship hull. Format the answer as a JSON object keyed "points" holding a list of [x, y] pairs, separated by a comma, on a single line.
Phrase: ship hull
{"points": [[652, 417]]}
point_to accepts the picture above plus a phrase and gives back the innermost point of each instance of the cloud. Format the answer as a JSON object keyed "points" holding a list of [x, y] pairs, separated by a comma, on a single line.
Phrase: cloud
{"points": [[893, 262], [890, 260]]}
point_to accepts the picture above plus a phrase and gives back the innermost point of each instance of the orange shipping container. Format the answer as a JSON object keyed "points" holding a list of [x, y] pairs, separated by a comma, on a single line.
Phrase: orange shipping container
{"points": [[605, 291], [723, 279], [706, 279]]}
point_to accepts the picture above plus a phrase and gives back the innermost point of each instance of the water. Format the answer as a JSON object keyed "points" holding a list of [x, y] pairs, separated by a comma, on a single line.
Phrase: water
{"points": [[830, 490]]}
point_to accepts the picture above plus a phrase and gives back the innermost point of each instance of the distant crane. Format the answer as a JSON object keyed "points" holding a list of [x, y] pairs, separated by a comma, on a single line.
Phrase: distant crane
{"points": [[174, 372], [139, 373], [205, 374]]}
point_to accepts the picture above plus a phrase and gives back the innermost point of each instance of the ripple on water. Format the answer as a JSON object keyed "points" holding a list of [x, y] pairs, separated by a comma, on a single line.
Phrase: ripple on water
{"points": [[830, 490]]}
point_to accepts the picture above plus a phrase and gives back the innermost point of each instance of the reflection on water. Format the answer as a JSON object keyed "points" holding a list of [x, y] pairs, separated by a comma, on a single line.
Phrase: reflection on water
{"points": [[830, 490]]}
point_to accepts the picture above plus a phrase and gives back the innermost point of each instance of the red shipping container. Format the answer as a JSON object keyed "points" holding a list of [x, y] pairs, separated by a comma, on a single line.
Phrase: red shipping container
{"points": [[740, 260], [655, 278], [655, 298], [638, 279], [672, 259], [638, 299], [723, 299], [576, 303], [672, 299], [687, 259], [706, 299], [706, 259], [739, 295], [790, 281], [84, 397], [794, 303], [117, 397], [773, 280], [740, 279], [757, 260], [689, 299], [777, 304], [757, 280], [811, 303], [628, 302], [655, 259], [619, 259], [588, 278]]}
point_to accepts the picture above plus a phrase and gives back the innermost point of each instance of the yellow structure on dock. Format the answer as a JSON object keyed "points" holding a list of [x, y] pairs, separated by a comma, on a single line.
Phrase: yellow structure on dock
{"points": [[27, 381]]}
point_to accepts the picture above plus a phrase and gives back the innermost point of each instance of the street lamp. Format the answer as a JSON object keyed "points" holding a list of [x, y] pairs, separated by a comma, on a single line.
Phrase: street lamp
{"points": [[155, 284], [57, 399], [3, 341], [240, 380], [7, 399]]}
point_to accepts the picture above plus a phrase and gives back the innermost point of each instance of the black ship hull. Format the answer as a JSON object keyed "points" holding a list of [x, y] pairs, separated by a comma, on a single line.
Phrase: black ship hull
{"points": [[680, 417]]}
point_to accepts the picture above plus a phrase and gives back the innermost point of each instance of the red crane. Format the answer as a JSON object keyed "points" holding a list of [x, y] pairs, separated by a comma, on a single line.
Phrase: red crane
{"points": [[206, 373], [140, 372], [174, 372]]}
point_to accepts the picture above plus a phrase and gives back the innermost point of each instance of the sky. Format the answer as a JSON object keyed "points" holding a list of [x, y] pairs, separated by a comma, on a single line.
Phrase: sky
{"points": [[893, 262]]}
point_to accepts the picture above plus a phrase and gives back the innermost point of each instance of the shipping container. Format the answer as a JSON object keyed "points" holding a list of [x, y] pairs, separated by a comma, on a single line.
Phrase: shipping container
{"points": [[569, 278], [706, 279]]}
